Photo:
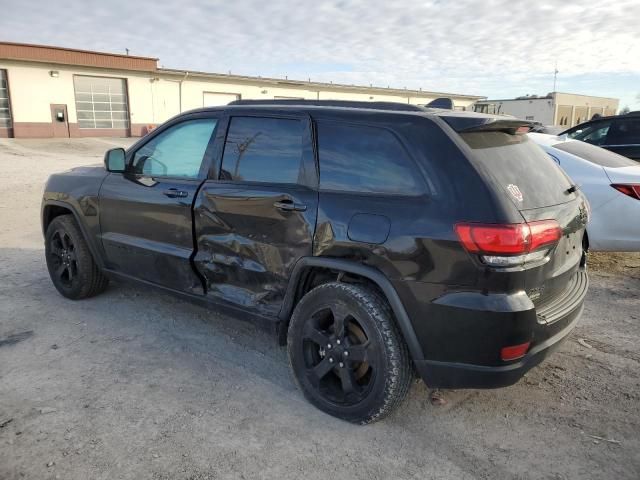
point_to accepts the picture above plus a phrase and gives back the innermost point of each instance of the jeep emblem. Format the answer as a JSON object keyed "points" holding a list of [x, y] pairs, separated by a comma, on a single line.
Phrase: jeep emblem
{"points": [[515, 192]]}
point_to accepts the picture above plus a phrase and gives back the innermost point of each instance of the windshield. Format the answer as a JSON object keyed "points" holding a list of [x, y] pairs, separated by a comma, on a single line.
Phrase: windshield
{"points": [[596, 155], [525, 172]]}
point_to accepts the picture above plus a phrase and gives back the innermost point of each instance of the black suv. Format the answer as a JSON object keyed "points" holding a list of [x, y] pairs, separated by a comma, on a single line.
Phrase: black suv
{"points": [[620, 134], [377, 240]]}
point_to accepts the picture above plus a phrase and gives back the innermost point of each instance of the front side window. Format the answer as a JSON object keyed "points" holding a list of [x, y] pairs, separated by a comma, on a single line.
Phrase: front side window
{"points": [[365, 159], [176, 152], [5, 112], [595, 133], [101, 102], [263, 150]]}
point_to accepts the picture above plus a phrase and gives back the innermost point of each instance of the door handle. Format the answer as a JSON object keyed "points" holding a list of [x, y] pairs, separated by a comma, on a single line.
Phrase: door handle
{"points": [[175, 193], [289, 206]]}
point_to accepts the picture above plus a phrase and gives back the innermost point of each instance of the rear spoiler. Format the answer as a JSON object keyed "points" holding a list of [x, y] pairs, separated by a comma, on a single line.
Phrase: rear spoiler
{"points": [[485, 123]]}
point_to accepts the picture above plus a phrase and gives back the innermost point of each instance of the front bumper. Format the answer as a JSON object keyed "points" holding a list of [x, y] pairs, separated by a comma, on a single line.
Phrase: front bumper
{"points": [[480, 333]]}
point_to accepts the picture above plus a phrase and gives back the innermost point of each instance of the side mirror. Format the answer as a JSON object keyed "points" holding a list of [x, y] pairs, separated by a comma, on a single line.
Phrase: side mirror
{"points": [[114, 160]]}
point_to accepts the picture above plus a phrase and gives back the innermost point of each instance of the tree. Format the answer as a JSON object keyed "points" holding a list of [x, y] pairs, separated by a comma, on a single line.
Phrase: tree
{"points": [[625, 110]]}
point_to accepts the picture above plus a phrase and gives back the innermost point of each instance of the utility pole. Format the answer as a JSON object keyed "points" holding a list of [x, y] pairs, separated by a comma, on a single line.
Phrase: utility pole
{"points": [[555, 76]]}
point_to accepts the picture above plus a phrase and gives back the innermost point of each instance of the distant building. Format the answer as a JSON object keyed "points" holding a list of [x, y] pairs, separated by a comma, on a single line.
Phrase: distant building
{"points": [[60, 92], [558, 109]]}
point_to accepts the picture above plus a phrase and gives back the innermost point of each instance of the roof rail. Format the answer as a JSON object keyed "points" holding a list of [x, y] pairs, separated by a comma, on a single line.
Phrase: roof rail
{"points": [[397, 106]]}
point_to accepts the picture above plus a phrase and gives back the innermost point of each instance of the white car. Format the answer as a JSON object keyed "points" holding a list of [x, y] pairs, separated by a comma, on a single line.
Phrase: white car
{"points": [[611, 183]]}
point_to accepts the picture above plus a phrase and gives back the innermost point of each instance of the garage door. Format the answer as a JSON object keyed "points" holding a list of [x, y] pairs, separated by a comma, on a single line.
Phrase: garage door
{"points": [[5, 110], [213, 99]]}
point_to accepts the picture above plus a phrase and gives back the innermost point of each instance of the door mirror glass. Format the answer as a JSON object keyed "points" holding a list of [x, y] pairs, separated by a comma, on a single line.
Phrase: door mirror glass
{"points": [[114, 160]]}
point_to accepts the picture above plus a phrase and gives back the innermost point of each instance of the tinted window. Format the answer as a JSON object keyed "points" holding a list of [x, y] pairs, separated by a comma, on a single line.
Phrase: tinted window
{"points": [[594, 133], [520, 167], [263, 150], [596, 155], [624, 132], [176, 152], [364, 159]]}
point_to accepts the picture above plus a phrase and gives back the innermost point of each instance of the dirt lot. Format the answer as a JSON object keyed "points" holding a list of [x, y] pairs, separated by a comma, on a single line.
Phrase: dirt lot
{"points": [[134, 384]]}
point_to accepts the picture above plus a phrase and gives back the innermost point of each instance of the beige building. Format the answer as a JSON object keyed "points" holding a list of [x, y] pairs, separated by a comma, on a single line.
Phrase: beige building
{"points": [[556, 108], [59, 92]]}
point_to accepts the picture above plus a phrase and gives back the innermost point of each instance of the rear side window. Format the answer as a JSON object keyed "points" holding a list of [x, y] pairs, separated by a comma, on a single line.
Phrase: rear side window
{"points": [[263, 150], [596, 155], [525, 172], [624, 132], [358, 158]]}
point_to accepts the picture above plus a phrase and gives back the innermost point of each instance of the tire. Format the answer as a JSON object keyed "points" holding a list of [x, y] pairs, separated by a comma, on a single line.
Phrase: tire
{"points": [[71, 266], [373, 377]]}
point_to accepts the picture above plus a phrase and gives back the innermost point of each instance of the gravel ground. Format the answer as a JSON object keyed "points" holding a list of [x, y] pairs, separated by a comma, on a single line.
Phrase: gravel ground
{"points": [[134, 384]]}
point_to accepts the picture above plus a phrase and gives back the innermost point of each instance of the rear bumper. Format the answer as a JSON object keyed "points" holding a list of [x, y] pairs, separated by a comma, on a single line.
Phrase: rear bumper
{"points": [[481, 330], [460, 375]]}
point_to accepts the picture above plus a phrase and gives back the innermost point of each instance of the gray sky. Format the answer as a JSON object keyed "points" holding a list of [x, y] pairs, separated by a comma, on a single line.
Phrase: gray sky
{"points": [[498, 48]]}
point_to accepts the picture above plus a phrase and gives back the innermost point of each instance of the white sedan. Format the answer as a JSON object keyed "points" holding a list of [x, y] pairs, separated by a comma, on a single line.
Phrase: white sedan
{"points": [[611, 183]]}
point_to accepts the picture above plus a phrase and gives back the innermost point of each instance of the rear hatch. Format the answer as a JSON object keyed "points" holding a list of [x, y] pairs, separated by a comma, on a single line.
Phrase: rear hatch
{"points": [[524, 175]]}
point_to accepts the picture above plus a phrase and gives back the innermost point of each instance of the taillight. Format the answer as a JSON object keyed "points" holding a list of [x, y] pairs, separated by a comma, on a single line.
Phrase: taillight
{"points": [[631, 190], [510, 244]]}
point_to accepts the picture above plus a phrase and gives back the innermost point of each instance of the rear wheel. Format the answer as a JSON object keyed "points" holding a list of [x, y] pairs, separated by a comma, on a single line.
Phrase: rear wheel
{"points": [[71, 267], [347, 354]]}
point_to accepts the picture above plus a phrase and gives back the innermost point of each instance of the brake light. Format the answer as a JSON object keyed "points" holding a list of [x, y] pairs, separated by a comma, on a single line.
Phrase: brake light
{"points": [[545, 232], [632, 191], [514, 351], [509, 239]]}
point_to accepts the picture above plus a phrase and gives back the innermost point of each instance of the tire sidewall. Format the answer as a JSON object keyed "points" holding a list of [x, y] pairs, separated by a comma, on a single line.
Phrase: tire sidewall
{"points": [[323, 297], [77, 287]]}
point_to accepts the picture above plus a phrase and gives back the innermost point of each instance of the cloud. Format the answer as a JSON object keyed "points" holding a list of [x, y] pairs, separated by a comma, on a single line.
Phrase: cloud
{"points": [[479, 46]]}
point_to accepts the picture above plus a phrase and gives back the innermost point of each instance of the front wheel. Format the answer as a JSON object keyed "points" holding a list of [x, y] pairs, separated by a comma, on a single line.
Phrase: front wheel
{"points": [[346, 353], [71, 267]]}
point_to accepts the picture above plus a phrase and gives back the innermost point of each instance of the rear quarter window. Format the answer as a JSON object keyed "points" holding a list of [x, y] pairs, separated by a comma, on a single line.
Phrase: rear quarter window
{"points": [[366, 159], [522, 169], [596, 155]]}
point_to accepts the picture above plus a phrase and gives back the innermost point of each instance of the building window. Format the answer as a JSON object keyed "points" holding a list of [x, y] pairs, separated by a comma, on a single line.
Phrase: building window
{"points": [[101, 102], [5, 109]]}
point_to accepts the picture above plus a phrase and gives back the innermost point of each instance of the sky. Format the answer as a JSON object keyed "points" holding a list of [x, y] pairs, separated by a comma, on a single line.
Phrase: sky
{"points": [[494, 48]]}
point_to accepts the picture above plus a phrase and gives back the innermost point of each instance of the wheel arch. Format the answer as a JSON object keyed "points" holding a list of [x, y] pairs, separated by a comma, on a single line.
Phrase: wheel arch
{"points": [[53, 208], [307, 266]]}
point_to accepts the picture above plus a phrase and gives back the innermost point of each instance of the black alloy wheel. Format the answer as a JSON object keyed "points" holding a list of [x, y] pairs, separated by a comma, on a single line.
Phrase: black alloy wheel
{"points": [[347, 354], [71, 266]]}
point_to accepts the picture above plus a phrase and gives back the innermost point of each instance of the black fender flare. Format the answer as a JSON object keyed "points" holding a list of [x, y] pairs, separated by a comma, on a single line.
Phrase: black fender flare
{"points": [[83, 228], [373, 274]]}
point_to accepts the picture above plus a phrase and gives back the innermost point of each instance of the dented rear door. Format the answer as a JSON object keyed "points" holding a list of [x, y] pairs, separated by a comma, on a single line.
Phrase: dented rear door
{"points": [[257, 216]]}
